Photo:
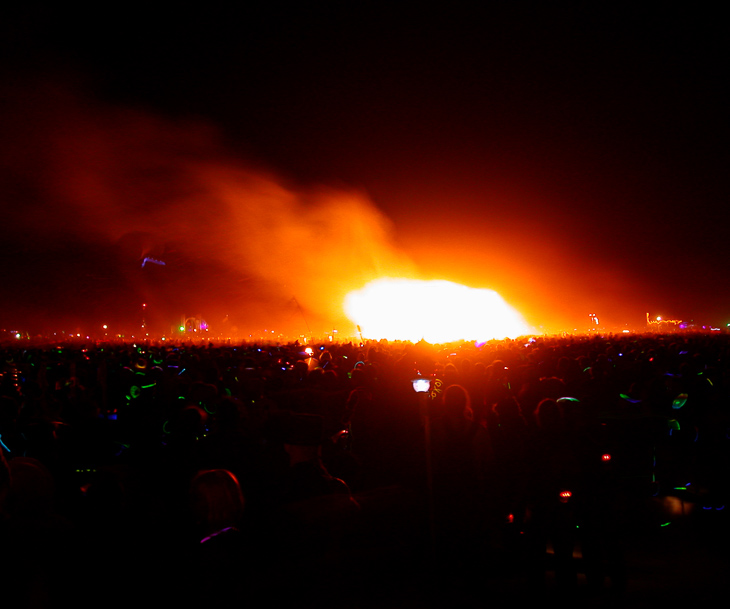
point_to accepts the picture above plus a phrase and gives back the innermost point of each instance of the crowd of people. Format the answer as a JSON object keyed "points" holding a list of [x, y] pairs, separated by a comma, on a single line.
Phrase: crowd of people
{"points": [[262, 474]]}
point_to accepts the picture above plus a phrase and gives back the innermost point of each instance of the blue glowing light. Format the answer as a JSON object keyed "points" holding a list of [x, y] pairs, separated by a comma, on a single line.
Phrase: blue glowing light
{"points": [[153, 261], [629, 399]]}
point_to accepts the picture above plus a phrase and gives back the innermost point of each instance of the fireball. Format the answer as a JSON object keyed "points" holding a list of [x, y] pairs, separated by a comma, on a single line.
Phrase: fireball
{"points": [[436, 311]]}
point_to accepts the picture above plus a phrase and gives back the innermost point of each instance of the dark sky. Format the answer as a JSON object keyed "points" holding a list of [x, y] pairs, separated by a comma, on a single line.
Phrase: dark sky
{"points": [[573, 160]]}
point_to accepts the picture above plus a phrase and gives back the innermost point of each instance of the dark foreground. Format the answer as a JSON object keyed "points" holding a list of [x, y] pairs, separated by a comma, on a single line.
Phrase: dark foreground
{"points": [[562, 470]]}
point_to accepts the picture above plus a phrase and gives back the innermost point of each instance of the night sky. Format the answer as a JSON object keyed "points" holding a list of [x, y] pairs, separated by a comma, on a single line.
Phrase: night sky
{"points": [[572, 160]]}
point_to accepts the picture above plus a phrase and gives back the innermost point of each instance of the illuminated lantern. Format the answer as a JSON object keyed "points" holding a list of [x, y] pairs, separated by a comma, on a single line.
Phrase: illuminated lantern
{"points": [[564, 496], [421, 385]]}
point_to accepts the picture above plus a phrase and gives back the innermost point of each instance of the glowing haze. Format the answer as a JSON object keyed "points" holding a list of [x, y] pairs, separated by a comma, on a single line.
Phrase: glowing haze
{"points": [[436, 311], [112, 188]]}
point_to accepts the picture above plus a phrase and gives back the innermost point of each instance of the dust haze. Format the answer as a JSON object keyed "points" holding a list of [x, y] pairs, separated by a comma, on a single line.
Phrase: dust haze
{"points": [[92, 190]]}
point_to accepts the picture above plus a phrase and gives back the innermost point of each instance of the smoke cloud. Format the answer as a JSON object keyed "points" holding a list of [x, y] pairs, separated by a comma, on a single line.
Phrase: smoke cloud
{"points": [[93, 189]]}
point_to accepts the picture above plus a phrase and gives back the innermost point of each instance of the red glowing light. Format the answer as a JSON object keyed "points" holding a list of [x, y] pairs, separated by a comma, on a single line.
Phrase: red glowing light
{"points": [[606, 457], [564, 496]]}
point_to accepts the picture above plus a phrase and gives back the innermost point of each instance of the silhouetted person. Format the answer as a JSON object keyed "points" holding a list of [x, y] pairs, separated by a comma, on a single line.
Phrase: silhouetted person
{"points": [[461, 458], [222, 561]]}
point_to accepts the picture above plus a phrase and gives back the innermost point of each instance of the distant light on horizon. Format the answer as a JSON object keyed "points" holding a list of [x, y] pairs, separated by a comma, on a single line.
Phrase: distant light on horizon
{"points": [[435, 311], [660, 320]]}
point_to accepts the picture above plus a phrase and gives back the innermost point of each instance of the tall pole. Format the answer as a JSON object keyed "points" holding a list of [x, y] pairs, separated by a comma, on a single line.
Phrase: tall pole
{"points": [[296, 302]]}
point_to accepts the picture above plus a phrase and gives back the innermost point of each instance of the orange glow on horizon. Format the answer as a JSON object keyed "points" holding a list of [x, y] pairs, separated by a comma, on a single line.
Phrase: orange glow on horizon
{"points": [[435, 311]]}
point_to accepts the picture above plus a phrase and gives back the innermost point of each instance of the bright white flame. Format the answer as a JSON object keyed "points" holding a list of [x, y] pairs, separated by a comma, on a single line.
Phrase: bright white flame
{"points": [[436, 311]]}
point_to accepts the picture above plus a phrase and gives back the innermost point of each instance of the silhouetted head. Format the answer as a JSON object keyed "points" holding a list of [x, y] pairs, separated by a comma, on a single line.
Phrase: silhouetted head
{"points": [[190, 422], [548, 414], [32, 489], [216, 499], [457, 404], [508, 412]]}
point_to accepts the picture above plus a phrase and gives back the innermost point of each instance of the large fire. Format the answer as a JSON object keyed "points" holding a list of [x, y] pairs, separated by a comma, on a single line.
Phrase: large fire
{"points": [[436, 311]]}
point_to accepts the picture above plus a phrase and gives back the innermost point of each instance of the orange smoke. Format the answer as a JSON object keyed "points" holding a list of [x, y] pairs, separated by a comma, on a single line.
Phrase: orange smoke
{"points": [[315, 246], [237, 243]]}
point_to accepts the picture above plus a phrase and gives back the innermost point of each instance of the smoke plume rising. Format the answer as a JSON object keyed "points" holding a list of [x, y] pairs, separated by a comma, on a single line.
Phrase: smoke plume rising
{"points": [[93, 189]]}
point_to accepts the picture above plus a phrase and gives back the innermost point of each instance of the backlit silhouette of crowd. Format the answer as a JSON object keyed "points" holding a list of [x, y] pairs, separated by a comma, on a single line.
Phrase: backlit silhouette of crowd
{"points": [[263, 474]]}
